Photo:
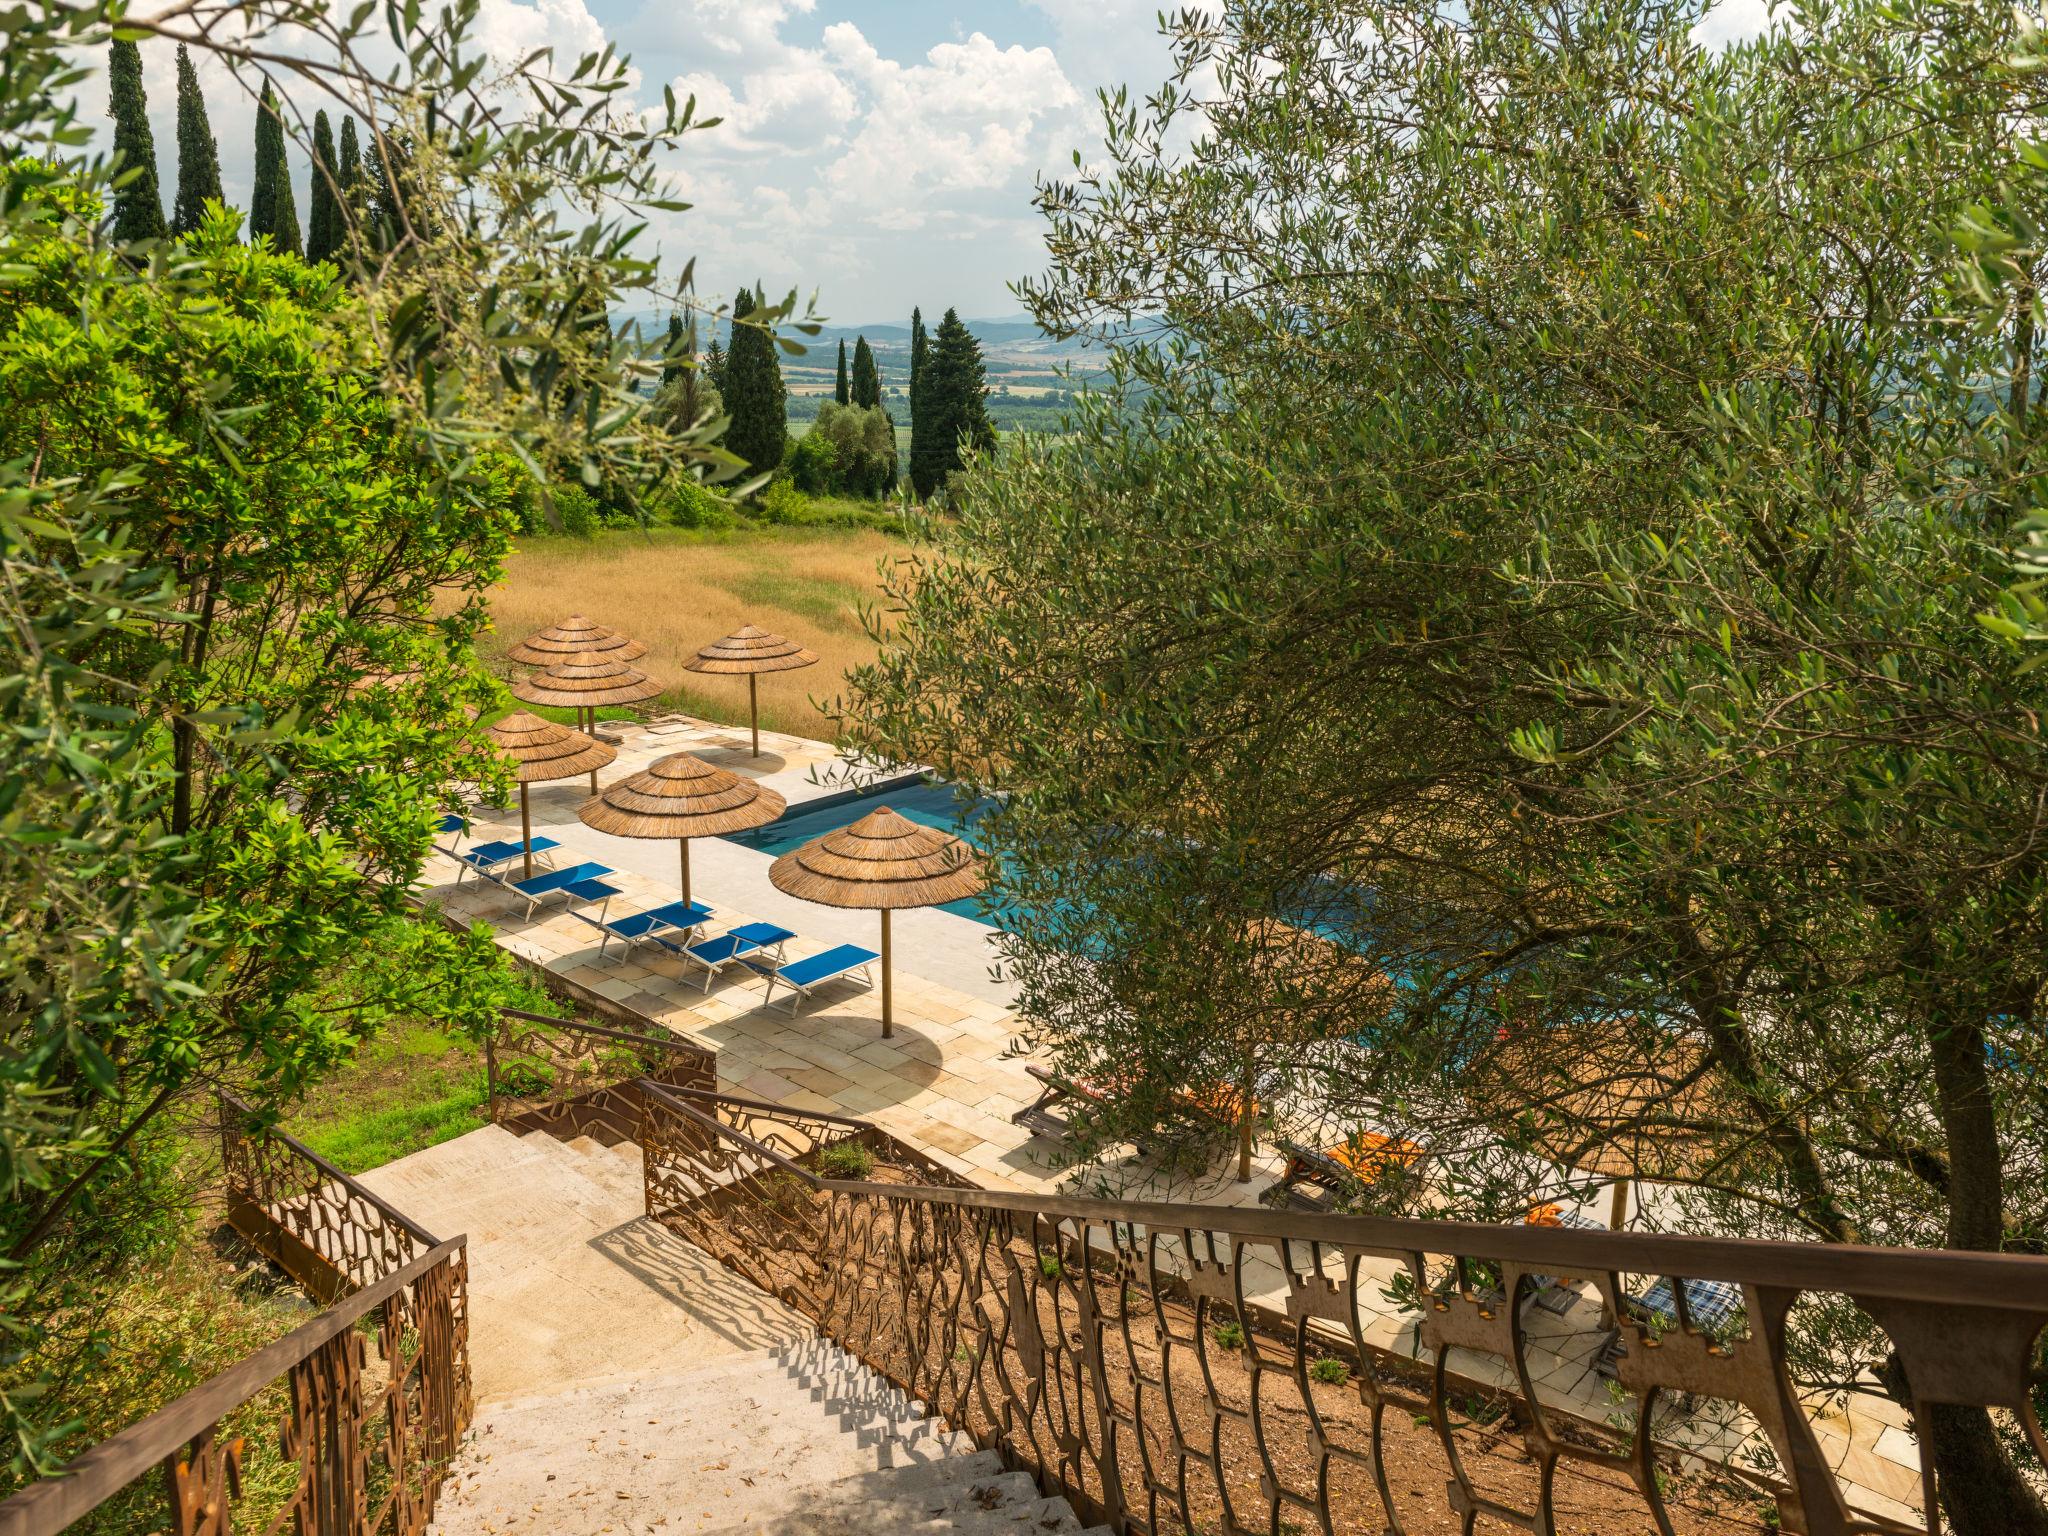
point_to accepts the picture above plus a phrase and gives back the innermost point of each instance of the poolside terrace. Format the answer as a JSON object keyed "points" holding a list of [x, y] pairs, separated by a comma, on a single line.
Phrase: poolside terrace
{"points": [[954, 1074]]}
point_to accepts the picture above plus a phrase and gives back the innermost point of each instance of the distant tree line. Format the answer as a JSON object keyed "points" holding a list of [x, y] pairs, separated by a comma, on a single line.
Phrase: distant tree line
{"points": [[851, 448], [349, 188]]}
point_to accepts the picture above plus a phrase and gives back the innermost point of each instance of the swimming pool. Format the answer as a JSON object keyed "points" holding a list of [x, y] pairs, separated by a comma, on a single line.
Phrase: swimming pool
{"points": [[935, 805]]}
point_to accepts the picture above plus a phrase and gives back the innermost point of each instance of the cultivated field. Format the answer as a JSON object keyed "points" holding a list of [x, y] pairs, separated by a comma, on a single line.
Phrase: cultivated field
{"points": [[674, 591]]}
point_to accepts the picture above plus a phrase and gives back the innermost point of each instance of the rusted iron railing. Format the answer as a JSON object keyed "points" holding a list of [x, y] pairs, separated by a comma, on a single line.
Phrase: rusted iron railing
{"points": [[316, 1223], [1153, 1362], [573, 1079], [373, 1416]]}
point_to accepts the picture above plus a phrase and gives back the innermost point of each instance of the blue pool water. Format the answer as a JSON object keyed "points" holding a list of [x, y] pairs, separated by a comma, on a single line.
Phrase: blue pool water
{"points": [[935, 805]]}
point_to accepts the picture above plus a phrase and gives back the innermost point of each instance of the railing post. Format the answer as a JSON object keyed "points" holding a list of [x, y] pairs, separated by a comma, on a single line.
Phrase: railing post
{"points": [[491, 1079]]}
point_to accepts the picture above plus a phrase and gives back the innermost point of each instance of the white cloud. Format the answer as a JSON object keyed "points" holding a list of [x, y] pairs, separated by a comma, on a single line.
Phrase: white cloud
{"points": [[512, 30], [971, 117], [838, 167], [1731, 21]]}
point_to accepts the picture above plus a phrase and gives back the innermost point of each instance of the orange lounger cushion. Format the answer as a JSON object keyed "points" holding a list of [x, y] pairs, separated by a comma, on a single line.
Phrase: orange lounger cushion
{"points": [[1371, 1155]]}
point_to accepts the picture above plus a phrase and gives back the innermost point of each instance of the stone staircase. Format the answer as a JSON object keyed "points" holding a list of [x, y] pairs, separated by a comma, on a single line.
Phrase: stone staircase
{"points": [[625, 1383]]}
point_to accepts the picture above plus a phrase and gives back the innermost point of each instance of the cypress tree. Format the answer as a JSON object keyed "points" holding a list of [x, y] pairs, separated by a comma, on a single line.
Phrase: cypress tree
{"points": [[867, 383], [353, 187], [323, 208], [918, 348], [714, 364], [754, 395], [951, 413], [383, 219], [198, 153], [674, 366], [138, 206], [844, 393], [686, 388], [272, 210]]}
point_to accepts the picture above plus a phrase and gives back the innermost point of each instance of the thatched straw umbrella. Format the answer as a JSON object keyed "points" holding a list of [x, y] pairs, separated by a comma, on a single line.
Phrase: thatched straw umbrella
{"points": [[541, 750], [752, 651], [885, 862], [575, 636], [681, 797], [584, 681], [1300, 980], [1614, 1099]]}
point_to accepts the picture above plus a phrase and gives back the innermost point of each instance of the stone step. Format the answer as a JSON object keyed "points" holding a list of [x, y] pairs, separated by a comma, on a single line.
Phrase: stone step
{"points": [[616, 1170], [905, 1501], [513, 1196], [569, 1282], [626, 1383]]}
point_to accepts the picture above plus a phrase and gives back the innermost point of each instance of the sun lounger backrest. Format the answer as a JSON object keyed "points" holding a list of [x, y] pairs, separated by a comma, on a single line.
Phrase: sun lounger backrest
{"points": [[833, 962]]}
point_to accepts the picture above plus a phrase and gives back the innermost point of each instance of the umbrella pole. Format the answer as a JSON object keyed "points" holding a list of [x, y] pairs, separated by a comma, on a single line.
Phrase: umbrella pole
{"points": [[754, 714], [592, 734], [684, 844], [888, 998], [1618, 1216], [525, 832]]}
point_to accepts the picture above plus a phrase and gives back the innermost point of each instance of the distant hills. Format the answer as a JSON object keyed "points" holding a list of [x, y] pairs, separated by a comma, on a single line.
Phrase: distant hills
{"points": [[1020, 357]]}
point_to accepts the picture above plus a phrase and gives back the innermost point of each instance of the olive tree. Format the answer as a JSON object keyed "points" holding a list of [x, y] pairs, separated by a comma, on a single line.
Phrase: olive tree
{"points": [[1562, 481]]}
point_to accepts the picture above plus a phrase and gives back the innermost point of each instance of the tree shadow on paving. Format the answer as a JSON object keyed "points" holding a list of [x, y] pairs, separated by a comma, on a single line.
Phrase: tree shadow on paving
{"points": [[738, 757], [907, 1064], [699, 1287]]}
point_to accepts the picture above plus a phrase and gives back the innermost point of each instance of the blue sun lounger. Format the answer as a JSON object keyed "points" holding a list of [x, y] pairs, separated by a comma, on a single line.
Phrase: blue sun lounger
{"points": [[739, 947], [803, 977], [679, 919], [579, 882], [487, 858]]}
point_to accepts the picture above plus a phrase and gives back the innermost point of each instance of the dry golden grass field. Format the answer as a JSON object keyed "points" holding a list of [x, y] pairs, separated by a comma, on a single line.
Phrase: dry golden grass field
{"points": [[674, 590]]}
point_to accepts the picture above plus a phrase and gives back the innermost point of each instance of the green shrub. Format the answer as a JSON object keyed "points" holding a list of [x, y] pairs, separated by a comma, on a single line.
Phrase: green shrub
{"points": [[813, 463], [784, 1193], [1049, 1264], [782, 502], [575, 511], [1330, 1371], [692, 505], [846, 1160], [1228, 1335]]}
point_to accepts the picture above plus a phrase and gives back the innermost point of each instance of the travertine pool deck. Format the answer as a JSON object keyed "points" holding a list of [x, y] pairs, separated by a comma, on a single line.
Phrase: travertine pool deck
{"points": [[950, 1078]]}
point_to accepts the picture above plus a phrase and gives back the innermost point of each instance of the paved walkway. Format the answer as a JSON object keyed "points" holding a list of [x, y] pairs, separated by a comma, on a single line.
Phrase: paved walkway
{"points": [[948, 1082]]}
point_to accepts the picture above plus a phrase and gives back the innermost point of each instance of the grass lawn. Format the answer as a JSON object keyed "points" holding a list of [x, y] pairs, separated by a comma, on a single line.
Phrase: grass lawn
{"points": [[409, 1088], [677, 589]]}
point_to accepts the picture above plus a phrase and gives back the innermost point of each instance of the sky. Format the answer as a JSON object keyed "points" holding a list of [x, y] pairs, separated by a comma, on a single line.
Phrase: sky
{"points": [[878, 153]]}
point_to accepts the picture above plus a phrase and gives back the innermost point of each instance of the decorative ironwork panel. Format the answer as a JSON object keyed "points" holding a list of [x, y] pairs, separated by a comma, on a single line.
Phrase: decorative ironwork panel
{"points": [[325, 1229], [570, 1078], [368, 1431], [205, 1481], [1173, 1368]]}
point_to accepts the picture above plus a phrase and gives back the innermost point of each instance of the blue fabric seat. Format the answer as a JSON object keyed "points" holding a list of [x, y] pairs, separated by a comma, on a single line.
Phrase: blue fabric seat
{"points": [[485, 858], [740, 946], [560, 882], [1715, 1306], [803, 977], [679, 917]]}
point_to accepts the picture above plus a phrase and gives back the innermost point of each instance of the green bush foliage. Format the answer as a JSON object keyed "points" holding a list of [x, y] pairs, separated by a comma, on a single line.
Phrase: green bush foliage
{"points": [[846, 1160], [693, 505], [855, 451], [207, 805]]}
